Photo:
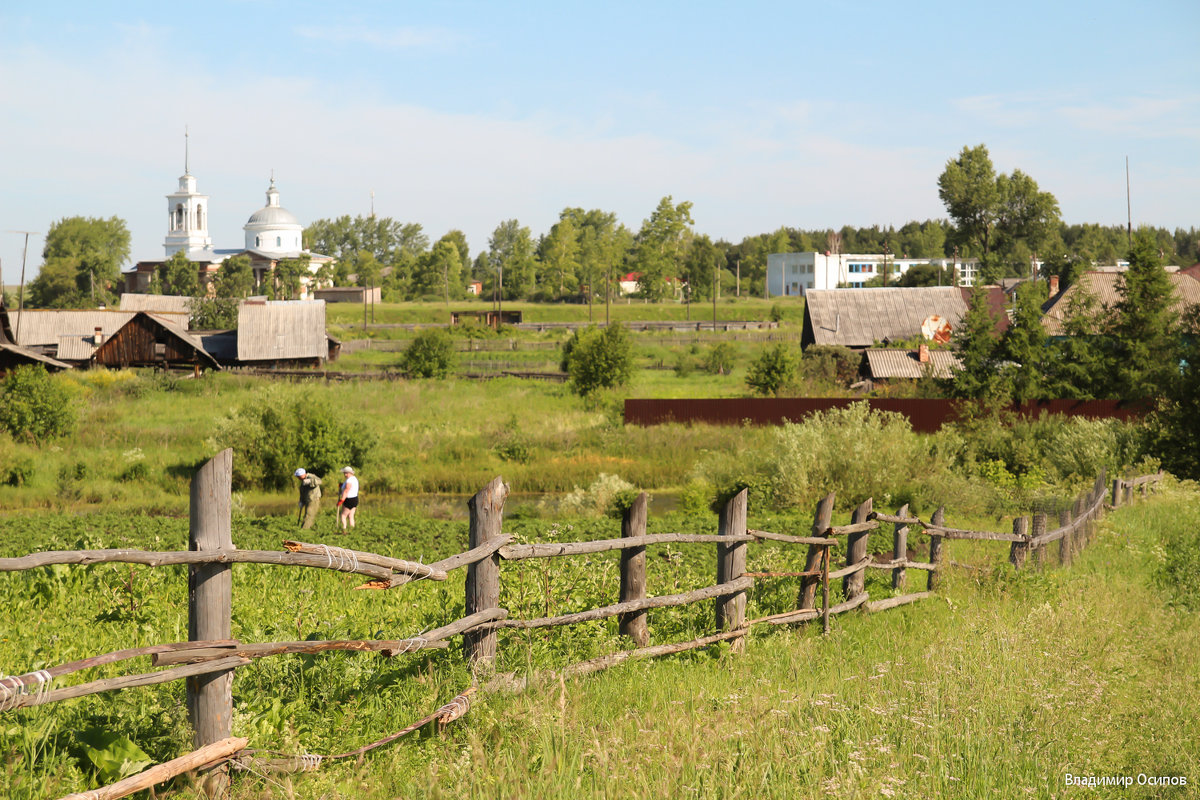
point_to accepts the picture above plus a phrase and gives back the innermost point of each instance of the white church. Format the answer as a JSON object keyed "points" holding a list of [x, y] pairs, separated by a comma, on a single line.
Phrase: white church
{"points": [[272, 234]]}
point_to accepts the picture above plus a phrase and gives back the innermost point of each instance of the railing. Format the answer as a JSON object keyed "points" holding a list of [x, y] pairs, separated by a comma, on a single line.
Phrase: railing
{"points": [[210, 657]]}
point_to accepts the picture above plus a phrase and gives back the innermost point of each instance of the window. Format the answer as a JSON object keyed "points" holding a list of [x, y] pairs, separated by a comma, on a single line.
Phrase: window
{"points": [[279, 241], [178, 216], [199, 217]]}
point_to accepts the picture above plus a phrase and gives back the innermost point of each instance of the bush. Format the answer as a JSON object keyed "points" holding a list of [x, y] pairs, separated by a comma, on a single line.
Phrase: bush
{"points": [[773, 371], [431, 355], [598, 358], [720, 358], [831, 364], [36, 407], [272, 436]]}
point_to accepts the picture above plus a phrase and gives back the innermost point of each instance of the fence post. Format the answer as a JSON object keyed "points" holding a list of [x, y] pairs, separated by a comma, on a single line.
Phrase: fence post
{"points": [[1039, 551], [210, 607], [855, 583], [1077, 529], [900, 549], [1116, 493], [935, 549], [1064, 544], [731, 565], [821, 522], [633, 572], [483, 577], [1019, 550]]}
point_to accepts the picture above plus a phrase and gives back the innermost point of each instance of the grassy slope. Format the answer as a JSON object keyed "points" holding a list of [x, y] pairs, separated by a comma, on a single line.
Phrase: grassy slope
{"points": [[998, 688]]}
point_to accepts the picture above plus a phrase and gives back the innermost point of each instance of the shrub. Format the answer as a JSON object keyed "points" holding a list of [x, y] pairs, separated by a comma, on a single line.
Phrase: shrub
{"points": [[832, 364], [272, 435], [598, 358], [36, 407], [605, 494], [773, 371], [431, 355], [720, 358]]}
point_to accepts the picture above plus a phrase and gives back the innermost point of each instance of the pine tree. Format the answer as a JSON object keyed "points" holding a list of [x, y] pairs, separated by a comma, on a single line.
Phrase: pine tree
{"points": [[978, 351], [1144, 330]]}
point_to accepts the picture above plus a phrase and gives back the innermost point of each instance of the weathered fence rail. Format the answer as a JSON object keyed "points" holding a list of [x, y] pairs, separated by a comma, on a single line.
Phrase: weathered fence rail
{"points": [[210, 658]]}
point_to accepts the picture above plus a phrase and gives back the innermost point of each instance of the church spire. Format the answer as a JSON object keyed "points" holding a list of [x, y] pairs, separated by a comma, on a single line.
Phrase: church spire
{"points": [[186, 142]]}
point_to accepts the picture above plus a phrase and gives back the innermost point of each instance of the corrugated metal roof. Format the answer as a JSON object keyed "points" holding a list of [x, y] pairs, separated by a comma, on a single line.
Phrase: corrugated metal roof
{"points": [[44, 328], [74, 347], [280, 329], [892, 363], [1105, 287], [862, 317], [159, 303], [31, 355]]}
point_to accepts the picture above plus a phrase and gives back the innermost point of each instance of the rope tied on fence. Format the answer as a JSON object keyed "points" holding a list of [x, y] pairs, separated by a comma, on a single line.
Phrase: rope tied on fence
{"points": [[347, 560], [310, 762], [14, 687]]}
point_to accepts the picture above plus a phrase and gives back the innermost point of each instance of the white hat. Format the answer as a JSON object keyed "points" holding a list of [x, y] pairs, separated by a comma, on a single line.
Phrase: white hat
{"points": [[300, 473], [348, 469]]}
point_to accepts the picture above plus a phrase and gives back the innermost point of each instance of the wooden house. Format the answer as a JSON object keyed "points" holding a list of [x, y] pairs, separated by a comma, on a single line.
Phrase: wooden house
{"points": [[71, 336], [1104, 288], [491, 317], [282, 333], [149, 340], [13, 356], [860, 318]]}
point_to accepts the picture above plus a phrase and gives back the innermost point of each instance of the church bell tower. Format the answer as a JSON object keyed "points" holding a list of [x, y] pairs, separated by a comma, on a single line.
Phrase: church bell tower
{"points": [[187, 214]]}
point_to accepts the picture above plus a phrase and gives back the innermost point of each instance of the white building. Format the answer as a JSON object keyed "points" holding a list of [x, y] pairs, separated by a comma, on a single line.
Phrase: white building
{"points": [[794, 274], [272, 234]]}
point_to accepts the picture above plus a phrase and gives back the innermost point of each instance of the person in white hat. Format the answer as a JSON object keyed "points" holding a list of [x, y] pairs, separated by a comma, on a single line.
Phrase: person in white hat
{"points": [[310, 497], [348, 498]]}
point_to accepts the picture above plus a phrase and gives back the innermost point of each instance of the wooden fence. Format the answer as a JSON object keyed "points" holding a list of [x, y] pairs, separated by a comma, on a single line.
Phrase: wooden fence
{"points": [[208, 660]]}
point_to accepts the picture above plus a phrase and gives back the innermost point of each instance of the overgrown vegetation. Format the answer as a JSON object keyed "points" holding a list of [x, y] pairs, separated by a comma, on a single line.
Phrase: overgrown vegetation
{"points": [[35, 407]]}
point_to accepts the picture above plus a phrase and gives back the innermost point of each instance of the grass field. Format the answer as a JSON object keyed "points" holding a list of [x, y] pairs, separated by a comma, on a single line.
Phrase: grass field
{"points": [[999, 687]]}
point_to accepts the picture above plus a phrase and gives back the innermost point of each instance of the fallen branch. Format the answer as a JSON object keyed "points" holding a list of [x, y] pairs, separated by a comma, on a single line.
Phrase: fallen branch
{"points": [[209, 754]]}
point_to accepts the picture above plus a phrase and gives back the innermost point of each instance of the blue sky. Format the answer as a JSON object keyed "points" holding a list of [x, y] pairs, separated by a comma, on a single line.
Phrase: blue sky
{"points": [[465, 114]]}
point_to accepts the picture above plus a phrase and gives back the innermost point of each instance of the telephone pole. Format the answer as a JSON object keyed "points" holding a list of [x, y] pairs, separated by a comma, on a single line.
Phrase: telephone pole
{"points": [[21, 292]]}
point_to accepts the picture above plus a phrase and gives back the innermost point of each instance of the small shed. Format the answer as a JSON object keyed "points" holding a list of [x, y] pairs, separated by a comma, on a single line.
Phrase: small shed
{"points": [[889, 364], [282, 333], [349, 294], [148, 340], [489, 317]]}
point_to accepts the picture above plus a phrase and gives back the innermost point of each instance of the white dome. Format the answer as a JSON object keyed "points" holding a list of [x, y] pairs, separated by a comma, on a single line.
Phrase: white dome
{"points": [[273, 228], [273, 216]]}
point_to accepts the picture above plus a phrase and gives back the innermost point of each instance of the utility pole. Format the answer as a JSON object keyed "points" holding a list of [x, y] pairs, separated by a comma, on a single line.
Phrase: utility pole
{"points": [[716, 272], [1128, 207], [21, 292]]}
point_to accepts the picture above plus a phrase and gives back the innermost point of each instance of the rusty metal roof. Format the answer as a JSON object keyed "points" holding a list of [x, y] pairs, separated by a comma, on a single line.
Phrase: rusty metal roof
{"points": [[281, 329], [891, 363], [863, 317], [1105, 287]]}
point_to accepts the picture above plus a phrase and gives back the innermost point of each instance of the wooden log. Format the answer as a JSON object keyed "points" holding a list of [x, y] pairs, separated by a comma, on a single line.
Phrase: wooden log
{"points": [[387, 647], [189, 671], [825, 553], [730, 609], [851, 569], [1049, 537], [633, 571], [465, 624], [782, 574], [13, 684], [1019, 552], [475, 554], [663, 601], [892, 602], [483, 577], [604, 662], [806, 614], [340, 562], [862, 526], [1064, 544], [414, 568], [958, 533], [1078, 512], [897, 518], [782, 537], [821, 520], [210, 607], [900, 548], [1039, 551], [1116, 493], [935, 547], [215, 752], [517, 552], [856, 550], [901, 562]]}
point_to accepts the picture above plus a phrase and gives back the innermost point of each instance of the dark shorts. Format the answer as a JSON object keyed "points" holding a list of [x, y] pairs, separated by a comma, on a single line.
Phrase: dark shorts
{"points": [[350, 502]]}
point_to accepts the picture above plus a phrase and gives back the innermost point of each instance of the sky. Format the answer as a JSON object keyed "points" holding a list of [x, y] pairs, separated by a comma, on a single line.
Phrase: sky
{"points": [[466, 114]]}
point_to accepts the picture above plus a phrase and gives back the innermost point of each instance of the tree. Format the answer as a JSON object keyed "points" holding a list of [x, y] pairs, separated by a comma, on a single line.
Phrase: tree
{"points": [[438, 272], [700, 269], [968, 188], [82, 260], [289, 276], [773, 371], [603, 243], [978, 350], [1079, 363], [1025, 345], [1144, 330], [1176, 424], [658, 252], [510, 253], [383, 237], [559, 254], [927, 275], [598, 358], [178, 275], [235, 277]]}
